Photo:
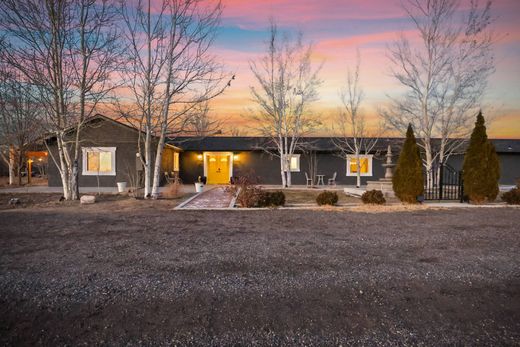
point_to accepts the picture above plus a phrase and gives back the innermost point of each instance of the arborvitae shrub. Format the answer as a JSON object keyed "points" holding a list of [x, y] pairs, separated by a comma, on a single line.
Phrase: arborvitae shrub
{"points": [[327, 198], [408, 180], [268, 199], [481, 169], [373, 197]]}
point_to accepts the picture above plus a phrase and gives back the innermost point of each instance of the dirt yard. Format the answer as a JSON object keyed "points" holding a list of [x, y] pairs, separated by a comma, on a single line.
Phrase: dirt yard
{"points": [[149, 275]]}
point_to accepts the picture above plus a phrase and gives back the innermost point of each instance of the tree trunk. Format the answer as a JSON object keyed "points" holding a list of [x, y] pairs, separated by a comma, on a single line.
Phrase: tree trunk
{"points": [[11, 171], [19, 168], [147, 164], [19, 173], [288, 179], [157, 167], [11, 165], [429, 160], [282, 171], [74, 186], [64, 172], [358, 171]]}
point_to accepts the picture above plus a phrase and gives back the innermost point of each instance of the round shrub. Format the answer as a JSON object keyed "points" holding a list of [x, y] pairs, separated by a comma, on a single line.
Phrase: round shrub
{"points": [[327, 198], [373, 197], [267, 199], [249, 196], [512, 197]]}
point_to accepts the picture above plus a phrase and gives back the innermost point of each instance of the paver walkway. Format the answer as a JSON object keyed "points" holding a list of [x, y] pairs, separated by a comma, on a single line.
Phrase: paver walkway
{"points": [[216, 197]]}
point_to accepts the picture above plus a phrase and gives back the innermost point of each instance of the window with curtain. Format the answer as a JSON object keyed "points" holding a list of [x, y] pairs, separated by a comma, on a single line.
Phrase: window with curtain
{"points": [[365, 165], [99, 161], [294, 163]]}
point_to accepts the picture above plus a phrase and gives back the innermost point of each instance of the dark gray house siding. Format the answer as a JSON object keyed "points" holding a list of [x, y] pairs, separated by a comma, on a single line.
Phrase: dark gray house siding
{"points": [[267, 166], [102, 133], [509, 166], [252, 158]]}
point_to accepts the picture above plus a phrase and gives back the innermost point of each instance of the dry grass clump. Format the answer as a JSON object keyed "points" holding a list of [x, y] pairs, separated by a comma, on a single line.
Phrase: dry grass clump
{"points": [[392, 208], [172, 190]]}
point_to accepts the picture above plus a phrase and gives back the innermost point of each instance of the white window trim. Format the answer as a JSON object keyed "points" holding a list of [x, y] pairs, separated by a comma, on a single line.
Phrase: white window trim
{"points": [[176, 161], [289, 162], [354, 174], [84, 170]]}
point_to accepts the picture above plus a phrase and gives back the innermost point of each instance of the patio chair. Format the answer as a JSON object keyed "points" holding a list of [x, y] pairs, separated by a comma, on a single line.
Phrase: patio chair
{"points": [[309, 180], [332, 181], [168, 178]]}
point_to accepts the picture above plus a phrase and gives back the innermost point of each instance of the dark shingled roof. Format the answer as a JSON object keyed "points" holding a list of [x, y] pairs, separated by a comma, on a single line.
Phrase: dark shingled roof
{"points": [[325, 144]]}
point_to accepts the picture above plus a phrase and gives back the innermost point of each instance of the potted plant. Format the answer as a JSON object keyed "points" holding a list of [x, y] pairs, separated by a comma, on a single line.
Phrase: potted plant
{"points": [[121, 187], [199, 185]]}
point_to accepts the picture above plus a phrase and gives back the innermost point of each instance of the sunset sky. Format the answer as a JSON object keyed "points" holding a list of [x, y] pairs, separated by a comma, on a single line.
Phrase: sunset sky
{"points": [[337, 28]]}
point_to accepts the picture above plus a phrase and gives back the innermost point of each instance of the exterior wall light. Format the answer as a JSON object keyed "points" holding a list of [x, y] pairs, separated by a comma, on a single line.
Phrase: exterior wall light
{"points": [[236, 157], [199, 156]]}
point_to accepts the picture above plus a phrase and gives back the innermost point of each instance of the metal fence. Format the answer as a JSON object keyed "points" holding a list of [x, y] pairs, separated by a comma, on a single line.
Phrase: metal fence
{"points": [[442, 182]]}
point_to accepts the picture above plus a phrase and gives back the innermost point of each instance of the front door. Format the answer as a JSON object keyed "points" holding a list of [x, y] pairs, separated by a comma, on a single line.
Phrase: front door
{"points": [[218, 168]]}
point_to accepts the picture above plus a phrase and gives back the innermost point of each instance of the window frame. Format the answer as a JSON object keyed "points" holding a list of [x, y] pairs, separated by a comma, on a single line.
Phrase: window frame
{"points": [[176, 162], [86, 150], [354, 174], [290, 159]]}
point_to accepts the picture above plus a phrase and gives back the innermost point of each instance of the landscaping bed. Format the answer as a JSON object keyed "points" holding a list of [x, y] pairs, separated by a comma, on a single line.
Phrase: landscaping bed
{"points": [[144, 276], [103, 202]]}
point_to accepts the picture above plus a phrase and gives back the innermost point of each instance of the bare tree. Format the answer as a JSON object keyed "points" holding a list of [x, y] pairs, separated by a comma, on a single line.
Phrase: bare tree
{"points": [[65, 50], [354, 137], [236, 132], [36, 42], [94, 53], [170, 72], [19, 121], [201, 123], [287, 86], [445, 76]]}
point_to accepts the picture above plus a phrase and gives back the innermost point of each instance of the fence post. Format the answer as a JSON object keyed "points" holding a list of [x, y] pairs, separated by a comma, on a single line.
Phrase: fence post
{"points": [[461, 187], [441, 180]]}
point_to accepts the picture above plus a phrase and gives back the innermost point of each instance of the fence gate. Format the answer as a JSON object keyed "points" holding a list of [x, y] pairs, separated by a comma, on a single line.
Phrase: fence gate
{"points": [[442, 182]]}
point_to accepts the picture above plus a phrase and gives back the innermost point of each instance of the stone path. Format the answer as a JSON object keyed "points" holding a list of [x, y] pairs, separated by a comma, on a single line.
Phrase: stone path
{"points": [[216, 197]]}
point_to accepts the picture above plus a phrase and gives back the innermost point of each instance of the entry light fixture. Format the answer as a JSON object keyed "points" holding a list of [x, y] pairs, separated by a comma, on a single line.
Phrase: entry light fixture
{"points": [[199, 156], [236, 157]]}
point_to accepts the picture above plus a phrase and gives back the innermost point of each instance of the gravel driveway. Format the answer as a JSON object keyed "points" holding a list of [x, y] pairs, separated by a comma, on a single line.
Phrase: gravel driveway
{"points": [[282, 277]]}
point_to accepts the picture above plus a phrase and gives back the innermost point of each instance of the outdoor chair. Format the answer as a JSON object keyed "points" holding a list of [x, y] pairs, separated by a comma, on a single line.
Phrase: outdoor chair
{"points": [[309, 180], [332, 181], [168, 178]]}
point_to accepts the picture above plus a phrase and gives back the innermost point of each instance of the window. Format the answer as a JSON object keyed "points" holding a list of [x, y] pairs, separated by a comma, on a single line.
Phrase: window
{"points": [[176, 161], [99, 161], [294, 163], [365, 163]]}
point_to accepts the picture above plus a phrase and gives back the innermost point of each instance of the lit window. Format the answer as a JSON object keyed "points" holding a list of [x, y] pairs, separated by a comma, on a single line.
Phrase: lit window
{"points": [[176, 161], [365, 165], [99, 161], [294, 163]]}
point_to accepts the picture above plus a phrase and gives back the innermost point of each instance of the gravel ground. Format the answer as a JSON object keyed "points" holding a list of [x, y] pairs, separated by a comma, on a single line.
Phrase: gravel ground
{"points": [[75, 275]]}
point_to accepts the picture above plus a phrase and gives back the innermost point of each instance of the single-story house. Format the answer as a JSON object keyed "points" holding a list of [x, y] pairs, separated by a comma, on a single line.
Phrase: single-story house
{"points": [[108, 155]]}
